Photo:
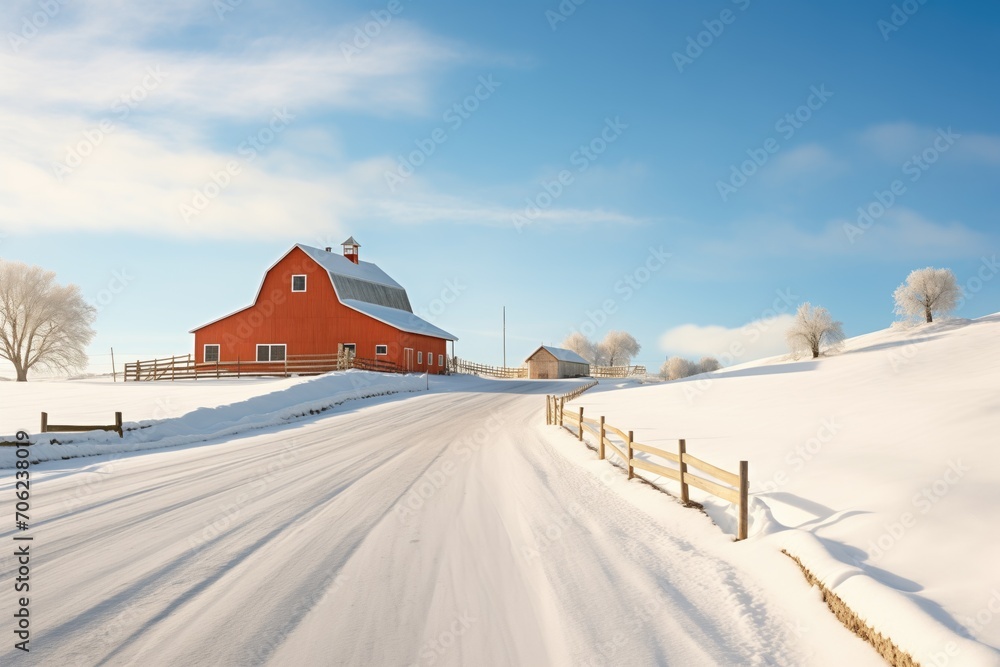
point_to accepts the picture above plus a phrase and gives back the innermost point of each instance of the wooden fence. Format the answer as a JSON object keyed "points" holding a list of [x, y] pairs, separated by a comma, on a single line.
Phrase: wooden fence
{"points": [[185, 368], [49, 428], [734, 487], [457, 365], [617, 371]]}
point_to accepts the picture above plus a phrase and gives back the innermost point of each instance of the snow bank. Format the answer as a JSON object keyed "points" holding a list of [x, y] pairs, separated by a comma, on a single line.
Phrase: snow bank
{"points": [[271, 409], [883, 457]]}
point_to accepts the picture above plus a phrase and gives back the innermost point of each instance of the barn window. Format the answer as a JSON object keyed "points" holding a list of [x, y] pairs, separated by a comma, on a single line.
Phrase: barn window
{"points": [[381, 350], [270, 353], [420, 357], [211, 353], [299, 283], [440, 360]]}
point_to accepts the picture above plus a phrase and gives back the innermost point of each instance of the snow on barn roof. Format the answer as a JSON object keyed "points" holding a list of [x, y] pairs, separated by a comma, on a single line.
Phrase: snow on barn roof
{"points": [[363, 281], [561, 354], [400, 319]]}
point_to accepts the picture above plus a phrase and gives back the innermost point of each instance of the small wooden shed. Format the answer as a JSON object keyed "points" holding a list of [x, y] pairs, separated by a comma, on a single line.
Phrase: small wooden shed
{"points": [[555, 362]]}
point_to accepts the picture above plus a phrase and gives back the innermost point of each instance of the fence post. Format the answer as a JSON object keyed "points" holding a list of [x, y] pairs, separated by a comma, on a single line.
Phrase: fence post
{"points": [[237, 366], [548, 410], [744, 497], [45, 422], [681, 451], [600, 446], [559, 412], [173, 368], [631, 471], [136, 370], [579, 434], [118, 425], [217, 368], [155, 376]]}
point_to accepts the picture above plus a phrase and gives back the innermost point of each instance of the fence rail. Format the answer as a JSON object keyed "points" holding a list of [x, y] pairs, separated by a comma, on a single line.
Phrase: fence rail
{"points": [[732, 487], [185, 368], [457, 365], [78, 428], [617, 371]]}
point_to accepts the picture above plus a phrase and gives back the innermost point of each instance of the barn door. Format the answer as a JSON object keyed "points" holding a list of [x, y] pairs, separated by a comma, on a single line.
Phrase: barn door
{"points": [[408, 358]]}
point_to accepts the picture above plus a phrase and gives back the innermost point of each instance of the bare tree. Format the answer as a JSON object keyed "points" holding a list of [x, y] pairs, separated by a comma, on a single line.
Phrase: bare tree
{"points": [[679, 367], [580, 344], [927, 291], [813, 329], [42, 324], [618, 348], [708, 364]]}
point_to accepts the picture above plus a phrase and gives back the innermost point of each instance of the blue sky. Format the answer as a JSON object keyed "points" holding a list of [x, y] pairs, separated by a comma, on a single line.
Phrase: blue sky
{"points": [[531, 155]]}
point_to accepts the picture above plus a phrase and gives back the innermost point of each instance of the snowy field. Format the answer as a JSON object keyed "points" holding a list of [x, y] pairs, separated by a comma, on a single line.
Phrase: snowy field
{"points": [[879, 467], [452, 527], [433, 528]]}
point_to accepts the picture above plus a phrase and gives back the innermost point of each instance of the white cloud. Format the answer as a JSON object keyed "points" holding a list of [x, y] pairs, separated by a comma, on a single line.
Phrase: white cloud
{"points": [[807, 162], [898, 142], [755, 340]]}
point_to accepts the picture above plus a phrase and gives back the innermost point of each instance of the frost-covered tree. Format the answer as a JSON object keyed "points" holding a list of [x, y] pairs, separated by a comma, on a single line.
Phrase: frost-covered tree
{"points": [[580, 344], [42, 324], [814, 329], [927, 291], [618, 348], [679, 367], [708, 364]]}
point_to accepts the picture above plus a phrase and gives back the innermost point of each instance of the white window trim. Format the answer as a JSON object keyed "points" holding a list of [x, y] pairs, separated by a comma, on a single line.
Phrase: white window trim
{"points": [[420, 357], [381, 354], [353, 347], [269, 346], [440, 360], [204, 352], [305, 282]]}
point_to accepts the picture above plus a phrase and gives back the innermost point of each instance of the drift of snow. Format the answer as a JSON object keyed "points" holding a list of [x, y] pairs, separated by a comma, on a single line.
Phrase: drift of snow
{"points": [[878, 467]]}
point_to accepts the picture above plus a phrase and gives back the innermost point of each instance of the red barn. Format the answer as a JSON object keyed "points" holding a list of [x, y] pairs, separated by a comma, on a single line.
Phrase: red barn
{"points": [[318, 302]]}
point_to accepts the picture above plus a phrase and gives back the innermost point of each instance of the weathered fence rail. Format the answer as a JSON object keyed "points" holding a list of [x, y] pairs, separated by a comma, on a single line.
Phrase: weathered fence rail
{"points": [[617, 371], [79, 428], [730, 486], [457, 365], [185, 368]]}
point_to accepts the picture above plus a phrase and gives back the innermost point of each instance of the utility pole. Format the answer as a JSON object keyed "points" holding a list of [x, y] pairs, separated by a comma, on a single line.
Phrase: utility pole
{"points": [[505, 336]]}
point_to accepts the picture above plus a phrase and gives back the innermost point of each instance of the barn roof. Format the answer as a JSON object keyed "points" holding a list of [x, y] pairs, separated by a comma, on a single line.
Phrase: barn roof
{"points": [[400, 319], [561, 354], [363, 281]]}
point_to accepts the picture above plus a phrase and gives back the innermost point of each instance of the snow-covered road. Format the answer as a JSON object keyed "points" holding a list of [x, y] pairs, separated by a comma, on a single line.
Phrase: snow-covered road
{"points": [[442, 528]]}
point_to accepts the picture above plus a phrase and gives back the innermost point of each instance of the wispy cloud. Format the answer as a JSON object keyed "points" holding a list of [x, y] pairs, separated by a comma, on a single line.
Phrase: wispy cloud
{"points": [[807, 163], [900, 141]]}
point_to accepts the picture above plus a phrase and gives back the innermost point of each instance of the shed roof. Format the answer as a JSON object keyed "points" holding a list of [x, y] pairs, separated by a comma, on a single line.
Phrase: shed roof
{"points": [[561, 354]]}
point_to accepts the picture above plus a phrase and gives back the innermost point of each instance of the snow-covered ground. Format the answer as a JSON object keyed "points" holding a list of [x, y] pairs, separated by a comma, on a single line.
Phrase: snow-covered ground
{"points": [[879, 467], [444, 527], [452, 526]]}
